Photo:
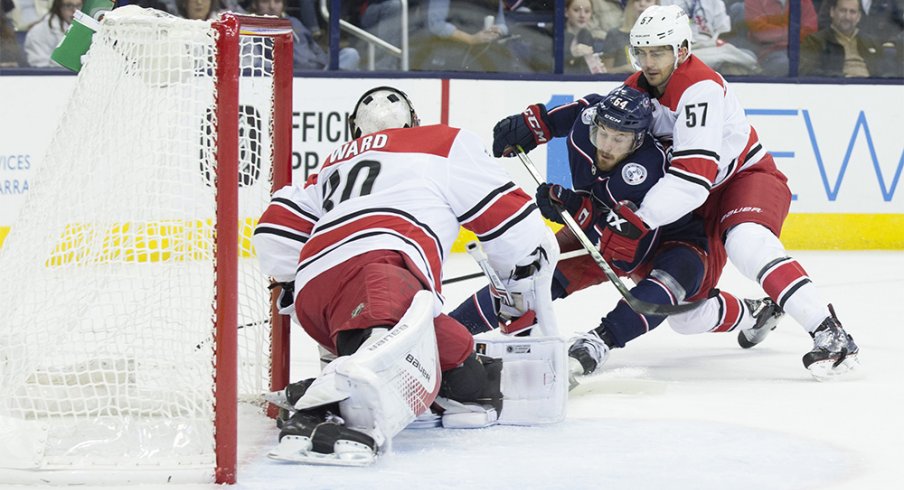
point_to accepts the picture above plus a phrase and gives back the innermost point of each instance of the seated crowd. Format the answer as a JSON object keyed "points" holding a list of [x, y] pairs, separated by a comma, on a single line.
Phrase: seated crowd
{"points": [[837, 38]]}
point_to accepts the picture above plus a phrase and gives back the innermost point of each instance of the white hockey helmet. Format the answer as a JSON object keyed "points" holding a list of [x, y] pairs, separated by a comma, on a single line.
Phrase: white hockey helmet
{"points": [[661, 25], [382, 108]]}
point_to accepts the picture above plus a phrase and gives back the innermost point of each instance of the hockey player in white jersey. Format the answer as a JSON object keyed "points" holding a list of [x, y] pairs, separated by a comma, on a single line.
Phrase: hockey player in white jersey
{"points": [[719, 166], [364, 243], [615, 161]]}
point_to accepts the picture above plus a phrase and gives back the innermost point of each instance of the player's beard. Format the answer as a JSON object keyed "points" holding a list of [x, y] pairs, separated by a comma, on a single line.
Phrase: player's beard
{"points": [[606, 161]]}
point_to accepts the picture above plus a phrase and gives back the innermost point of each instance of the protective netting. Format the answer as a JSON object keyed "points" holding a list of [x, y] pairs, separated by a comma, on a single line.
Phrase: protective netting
{"points": [[107, 296]]}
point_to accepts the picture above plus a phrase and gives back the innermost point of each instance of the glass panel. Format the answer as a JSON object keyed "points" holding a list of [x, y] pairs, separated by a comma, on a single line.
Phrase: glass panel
{"points": [[482, 36], [854, 43]]}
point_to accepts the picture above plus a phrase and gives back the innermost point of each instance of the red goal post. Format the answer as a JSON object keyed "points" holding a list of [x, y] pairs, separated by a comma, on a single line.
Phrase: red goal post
{"points": [[230, 28], [135, 318]]}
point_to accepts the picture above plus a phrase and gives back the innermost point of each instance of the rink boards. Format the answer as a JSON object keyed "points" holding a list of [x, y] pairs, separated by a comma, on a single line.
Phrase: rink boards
{"points": [[839, 145]]}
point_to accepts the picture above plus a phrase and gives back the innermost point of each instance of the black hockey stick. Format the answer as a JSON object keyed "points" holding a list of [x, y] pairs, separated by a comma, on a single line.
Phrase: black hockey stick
{"points": [[244, 325], [640, 306], [462, 278]]}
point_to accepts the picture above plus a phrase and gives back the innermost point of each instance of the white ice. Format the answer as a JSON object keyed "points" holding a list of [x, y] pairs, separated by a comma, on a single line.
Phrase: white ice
{"points": [[669, 411]]}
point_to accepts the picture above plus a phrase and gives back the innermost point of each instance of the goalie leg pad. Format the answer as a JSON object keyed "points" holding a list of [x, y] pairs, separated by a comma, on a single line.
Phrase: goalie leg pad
{"points": [[325, 389], [395, 378], [535, 378]]}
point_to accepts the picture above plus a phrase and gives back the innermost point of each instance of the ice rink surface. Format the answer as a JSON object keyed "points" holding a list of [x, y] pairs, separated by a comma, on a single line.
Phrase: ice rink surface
{"points": [[668, 412], [678, 412]]}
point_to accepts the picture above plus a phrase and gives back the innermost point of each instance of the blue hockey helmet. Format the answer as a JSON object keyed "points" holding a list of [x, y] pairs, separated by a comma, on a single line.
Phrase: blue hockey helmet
{"points": [[624, 109]]}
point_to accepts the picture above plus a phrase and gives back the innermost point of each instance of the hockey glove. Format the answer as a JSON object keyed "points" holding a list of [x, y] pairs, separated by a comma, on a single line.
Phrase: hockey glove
{"points": [[552, 196], [520, 295], [286, 301], [623, 233], [527, 130]]}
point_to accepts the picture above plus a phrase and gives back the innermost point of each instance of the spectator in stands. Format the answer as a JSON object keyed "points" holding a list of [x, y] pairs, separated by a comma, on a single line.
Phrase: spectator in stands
{"points": [[581, 49], [458, 40], [27, 13], [841, 50], [898, 56], [517, 38], [530, 25], [307, 13], [881, 19], [161, 5], [308, 55], [616, 46], [383, 19], [767, 28], [198, 9], [607, 15], [10, 54], [44, 36], [709, 20], [164, 5]]}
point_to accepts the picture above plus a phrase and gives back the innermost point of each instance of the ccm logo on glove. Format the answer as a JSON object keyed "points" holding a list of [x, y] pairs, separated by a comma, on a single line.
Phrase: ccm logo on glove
{"points": [[535, 123]]}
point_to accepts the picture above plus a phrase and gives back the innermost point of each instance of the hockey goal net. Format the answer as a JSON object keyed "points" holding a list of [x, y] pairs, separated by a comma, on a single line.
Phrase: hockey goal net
{"points": [[133, 317]]}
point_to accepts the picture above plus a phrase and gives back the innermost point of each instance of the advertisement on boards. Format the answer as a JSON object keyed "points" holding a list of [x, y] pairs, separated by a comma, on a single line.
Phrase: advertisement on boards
{"points": [[839, 145]]}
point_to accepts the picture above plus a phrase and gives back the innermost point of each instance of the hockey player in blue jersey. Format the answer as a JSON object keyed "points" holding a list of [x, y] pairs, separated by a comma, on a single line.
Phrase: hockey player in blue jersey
{"points": [[614, 161]]}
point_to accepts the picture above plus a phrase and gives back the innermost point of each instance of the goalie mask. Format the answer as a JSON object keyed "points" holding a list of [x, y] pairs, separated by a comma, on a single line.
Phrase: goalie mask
{"points": [[382, 108]]}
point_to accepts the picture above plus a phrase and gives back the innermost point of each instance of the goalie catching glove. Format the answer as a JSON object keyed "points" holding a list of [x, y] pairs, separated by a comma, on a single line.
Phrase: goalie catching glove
{"points": [[527, 130]]}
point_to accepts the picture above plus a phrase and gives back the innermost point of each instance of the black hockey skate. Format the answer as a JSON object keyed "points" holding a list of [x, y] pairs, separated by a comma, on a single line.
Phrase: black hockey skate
{"points": [[766, 315], [589, 351], [316, 436], [834, 351]]}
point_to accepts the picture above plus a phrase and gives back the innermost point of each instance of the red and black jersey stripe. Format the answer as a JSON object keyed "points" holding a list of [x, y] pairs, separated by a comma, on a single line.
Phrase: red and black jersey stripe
{"points": [[497, 212], [390, 222], [286, 219]]}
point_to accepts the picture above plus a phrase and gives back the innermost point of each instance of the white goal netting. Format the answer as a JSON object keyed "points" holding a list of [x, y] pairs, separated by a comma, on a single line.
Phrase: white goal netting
{"points": [[108, 293]]}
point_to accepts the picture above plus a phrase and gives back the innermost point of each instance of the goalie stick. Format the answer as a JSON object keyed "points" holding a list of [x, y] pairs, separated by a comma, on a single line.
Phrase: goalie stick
{"points": [[477, 254], [640, 306], [545, 321]]}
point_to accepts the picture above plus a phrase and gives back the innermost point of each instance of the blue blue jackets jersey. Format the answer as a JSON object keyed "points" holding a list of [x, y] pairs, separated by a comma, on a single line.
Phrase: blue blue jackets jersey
{"points": [[630, 180]]}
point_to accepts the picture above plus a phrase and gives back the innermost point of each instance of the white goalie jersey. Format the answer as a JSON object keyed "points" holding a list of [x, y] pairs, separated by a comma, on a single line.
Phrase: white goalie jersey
{"points": [[408, 190]]}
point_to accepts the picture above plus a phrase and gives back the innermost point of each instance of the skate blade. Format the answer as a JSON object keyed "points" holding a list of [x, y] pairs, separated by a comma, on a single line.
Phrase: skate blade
{"points": [[826, 371], [746, 343], [279, 399], [574, 370], [347, 453], [572, 381]]}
